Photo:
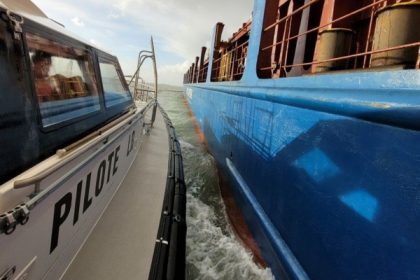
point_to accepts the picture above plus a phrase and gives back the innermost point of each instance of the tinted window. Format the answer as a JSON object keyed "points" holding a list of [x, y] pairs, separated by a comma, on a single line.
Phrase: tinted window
{"points": [[16, 136], [114, 89], [64, 80]]}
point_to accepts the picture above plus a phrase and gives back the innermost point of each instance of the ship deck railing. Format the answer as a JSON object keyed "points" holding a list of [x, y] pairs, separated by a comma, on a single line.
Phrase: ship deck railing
{"points": [[202, 73], [278, 61], [234, 64], [284, 28]]}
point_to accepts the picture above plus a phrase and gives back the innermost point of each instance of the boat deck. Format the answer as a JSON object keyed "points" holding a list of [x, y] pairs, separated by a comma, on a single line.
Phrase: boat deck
{"points": [[122, 243]]}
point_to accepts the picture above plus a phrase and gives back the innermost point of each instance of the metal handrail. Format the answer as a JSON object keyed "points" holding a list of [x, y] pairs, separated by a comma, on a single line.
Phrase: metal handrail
{"points": [[141, 89], [289, 16], [322, 26], [189, 76], [138, 66], [102, 130], [231, 74], [417, 44], [141, 59], [202, 74], [156, 80], [40, 196], [234, 49], [364, 54], [147, 90], [89, 141]]}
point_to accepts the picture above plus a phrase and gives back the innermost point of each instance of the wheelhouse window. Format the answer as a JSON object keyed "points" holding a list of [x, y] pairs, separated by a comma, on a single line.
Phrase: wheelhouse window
{"points": [[115, 90], [64, 80]]}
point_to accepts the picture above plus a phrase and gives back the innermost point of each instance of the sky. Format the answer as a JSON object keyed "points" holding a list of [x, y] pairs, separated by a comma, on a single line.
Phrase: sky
{"points": [[179, 28]]}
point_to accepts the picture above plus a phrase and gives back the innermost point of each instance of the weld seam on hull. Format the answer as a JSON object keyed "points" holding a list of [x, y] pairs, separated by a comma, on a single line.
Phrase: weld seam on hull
{"points": [[274, 236], [383, 108]]}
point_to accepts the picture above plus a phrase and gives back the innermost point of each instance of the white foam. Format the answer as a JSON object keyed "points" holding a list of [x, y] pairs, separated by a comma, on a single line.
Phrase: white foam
{"points": [[214, 254], [213, 251], [186, 145]]}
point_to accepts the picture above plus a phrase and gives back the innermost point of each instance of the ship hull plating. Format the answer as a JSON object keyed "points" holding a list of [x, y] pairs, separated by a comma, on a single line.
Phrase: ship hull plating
{"points": [[324, 170]]}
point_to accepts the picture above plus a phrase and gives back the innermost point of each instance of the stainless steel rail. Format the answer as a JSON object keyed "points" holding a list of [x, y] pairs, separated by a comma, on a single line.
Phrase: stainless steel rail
{"points": [[156, 79], [44, 193], [89, 141], [142, 57]]}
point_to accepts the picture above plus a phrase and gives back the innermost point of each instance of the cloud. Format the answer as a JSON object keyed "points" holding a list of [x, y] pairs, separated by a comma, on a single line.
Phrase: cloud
{"points": [[77, 21], [175, 67], [184, 26], [173, 72], [95, 43], [124, 27]]}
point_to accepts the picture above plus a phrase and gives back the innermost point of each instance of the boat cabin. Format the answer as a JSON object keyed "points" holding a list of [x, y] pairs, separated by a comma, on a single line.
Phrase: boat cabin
{"points": [[55, 88]]}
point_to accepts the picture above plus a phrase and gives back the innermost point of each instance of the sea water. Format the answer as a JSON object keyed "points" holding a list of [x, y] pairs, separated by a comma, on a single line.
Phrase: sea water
{"points": [[213, 250]]}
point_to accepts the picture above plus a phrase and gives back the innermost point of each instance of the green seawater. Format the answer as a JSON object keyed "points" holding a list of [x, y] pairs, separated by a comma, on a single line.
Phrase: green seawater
{"points": [[213, 251]]}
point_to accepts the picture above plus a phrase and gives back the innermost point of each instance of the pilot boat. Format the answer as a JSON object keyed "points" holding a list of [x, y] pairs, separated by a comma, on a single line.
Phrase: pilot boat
{"points": [[311, 110], [70, 131]]}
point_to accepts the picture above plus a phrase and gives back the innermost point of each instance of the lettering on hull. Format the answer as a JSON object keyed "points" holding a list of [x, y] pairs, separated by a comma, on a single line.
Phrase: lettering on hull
{"points": [[107, 168]]}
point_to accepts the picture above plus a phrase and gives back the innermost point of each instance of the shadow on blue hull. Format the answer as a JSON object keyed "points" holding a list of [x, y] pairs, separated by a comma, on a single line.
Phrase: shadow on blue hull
{"points": [[326, 196]]}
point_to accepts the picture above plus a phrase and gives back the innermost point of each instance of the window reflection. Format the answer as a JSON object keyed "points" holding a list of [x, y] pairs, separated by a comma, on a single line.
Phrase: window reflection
{"points": [[64, 80], [361, 202], [317, 165], [114, 90]]}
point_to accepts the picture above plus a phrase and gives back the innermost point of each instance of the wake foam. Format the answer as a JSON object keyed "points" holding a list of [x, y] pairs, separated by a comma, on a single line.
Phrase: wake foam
{"points": [[213, 254], [213, 251]]}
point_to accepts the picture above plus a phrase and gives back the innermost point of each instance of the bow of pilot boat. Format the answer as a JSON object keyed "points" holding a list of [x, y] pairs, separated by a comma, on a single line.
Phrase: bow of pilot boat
{"points": [[122, 244]]}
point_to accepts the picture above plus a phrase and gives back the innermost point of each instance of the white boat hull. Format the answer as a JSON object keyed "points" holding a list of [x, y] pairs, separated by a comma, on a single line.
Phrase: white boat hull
{"points": [[58, 226]]}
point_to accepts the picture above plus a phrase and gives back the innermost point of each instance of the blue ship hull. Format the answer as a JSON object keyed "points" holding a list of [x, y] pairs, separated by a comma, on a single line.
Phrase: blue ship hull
{"points": [[325, 169]]}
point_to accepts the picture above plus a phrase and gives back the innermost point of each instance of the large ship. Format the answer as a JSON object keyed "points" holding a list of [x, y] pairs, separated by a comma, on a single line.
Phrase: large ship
{"points": [[312, 112]]}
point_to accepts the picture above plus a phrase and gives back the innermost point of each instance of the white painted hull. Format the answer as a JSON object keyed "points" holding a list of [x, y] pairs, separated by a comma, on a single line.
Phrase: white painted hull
{"points": [[58, 226]]}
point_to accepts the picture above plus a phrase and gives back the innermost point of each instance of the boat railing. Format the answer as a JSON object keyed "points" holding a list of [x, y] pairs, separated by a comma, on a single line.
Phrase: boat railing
{"points": [[417, 44], [74, 150], [351, 34], [141, 90], [144, 92]]}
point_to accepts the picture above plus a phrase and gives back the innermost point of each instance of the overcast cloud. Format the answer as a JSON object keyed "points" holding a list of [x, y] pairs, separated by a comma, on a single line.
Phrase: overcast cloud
{"points": [[179, 28]]}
